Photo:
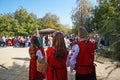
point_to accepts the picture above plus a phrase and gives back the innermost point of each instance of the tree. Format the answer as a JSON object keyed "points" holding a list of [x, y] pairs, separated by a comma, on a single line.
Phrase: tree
{"points": [[27, 21], [23, 23], [50, 20], [106, 21], [81, 13], [7, 24]]}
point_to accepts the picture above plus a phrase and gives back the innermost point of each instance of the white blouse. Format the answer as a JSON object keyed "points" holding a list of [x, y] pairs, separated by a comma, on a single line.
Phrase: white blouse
{"points": [[74, 53], [39, 54]]}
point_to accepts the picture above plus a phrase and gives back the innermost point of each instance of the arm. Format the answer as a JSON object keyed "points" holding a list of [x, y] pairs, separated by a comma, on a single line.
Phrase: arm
{"points": [[67, 61], [40, 57], [39, 54], [75, 52]]}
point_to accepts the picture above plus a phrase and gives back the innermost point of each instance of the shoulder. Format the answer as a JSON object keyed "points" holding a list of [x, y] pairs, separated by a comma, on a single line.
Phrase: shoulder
{"points": [[42, 49], [74, 43], [49, 50], [91, 43]]}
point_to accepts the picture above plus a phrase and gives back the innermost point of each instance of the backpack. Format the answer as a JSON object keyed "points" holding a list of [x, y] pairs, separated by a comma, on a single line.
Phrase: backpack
{"points": [[42, 65]]}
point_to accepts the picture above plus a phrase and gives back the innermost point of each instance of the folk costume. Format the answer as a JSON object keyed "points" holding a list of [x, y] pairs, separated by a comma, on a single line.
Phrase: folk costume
{"points": [[82, 60], [33, 73], [57, 69]]}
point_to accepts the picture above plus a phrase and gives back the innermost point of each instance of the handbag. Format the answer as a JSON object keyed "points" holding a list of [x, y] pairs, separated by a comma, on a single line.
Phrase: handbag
{"points": [[42, 65]]}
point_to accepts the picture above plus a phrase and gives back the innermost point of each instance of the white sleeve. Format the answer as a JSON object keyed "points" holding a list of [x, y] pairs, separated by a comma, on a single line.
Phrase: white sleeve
{"points": [[39, 54], [75, 51], [67, 61]]}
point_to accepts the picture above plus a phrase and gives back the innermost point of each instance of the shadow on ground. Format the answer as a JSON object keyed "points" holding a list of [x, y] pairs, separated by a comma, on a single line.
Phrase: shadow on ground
{"points": [[20, 72], [14, 72], [17, 58]]}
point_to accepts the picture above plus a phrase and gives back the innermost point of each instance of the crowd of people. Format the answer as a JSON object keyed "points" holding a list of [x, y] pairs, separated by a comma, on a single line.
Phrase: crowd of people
{"points": [[58, 58], [24, 41], [15, 41], [62, 51]]}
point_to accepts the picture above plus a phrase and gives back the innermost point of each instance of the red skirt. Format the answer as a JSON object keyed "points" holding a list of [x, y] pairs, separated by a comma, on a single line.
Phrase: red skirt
{"points": [[33, 73]]}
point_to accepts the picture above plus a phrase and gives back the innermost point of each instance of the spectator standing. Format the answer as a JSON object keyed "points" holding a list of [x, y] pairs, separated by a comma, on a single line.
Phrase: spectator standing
{"points": [[35, 52], [57, 58], [82, 59]]}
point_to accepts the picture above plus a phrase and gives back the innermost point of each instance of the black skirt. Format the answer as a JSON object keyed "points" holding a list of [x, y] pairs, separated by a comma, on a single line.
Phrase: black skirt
{"points": [[90, 76]]}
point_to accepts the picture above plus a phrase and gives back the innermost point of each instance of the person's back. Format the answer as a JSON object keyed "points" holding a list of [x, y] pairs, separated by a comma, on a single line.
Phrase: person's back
{"points": [[82, 60], [35, 52], [85, 57], [56, 58]]}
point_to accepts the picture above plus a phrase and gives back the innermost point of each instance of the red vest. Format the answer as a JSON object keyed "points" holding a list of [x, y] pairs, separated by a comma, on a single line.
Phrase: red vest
{"points": [[33, 73], [61, 69], [85, 58]]}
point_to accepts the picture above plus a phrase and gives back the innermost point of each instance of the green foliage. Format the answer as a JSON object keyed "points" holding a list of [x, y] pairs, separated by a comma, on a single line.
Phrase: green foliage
{"points": [[81, 15], [50, 20], [106, 21], [23, 23]]}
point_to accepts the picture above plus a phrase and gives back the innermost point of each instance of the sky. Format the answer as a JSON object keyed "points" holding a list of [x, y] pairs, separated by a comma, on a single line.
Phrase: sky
{"points": [[61, 8]]}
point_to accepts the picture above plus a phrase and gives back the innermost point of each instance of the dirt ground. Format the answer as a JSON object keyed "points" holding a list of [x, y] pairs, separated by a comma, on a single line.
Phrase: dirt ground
{"points": [[16, 60]]}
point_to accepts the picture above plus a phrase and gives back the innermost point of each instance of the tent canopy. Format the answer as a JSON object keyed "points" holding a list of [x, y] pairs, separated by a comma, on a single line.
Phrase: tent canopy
{"points": [[47, 31]]}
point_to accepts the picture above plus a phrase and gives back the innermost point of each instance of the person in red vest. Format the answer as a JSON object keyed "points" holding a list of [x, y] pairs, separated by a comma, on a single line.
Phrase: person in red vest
{"points": [[57, 57], [82, 59], [35, 52]]}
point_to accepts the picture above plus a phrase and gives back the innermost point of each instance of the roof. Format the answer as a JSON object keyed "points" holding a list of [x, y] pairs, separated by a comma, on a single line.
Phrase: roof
{"points": [[47, 31]]}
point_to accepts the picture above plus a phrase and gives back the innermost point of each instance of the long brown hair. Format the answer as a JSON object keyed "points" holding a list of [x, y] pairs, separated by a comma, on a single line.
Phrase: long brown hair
{"points": [[59, 46], [35, 42]]}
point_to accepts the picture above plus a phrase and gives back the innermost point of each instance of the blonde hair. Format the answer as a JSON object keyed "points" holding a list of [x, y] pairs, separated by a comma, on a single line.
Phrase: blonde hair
{"points": [[82, 32]]}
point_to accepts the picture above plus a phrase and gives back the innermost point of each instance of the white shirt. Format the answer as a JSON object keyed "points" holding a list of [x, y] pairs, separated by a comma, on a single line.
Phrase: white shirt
{"points": [[39, 54], [67, 42], [75, 52]]}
